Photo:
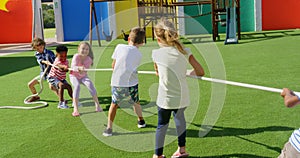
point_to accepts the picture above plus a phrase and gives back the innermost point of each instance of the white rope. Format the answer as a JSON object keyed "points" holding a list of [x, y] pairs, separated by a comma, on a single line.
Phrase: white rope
{"points": [[270, 89], [44, 104], [246, 85]]}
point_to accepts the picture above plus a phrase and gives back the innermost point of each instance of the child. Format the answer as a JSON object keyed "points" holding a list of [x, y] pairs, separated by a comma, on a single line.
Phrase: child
{"points": [[292, 147], [124, 81], [57, 75], [170, 63], [82, 60], [43, 56]]}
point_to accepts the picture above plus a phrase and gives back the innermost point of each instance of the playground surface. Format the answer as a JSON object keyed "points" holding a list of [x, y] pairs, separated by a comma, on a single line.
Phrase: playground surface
{"points": [[251, 124], [6, 49]]}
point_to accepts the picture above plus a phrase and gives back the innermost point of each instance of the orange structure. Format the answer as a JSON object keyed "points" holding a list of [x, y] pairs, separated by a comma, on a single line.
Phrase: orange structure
{"points": [[16, 18]]}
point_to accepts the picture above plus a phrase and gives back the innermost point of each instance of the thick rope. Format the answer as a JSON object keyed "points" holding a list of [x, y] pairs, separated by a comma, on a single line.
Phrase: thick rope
{"points": [[44, 104], [246, 85]]}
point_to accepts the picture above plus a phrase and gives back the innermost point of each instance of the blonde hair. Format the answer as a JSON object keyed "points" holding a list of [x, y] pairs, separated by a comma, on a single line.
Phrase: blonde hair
{"points": [[37, 42], [166, 32], [91, 54]]}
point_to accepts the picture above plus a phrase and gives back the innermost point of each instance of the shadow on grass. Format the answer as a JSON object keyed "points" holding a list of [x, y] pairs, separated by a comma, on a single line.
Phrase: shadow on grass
{"points": [[250, 37], [196, 39], [262, 36], [231, 156], [218, 131], [106, 101], [14, 64]]}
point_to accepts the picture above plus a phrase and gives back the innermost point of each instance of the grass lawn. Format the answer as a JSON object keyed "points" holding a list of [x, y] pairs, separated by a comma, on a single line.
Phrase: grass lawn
{"points": [[49, 32], [250, 124]]}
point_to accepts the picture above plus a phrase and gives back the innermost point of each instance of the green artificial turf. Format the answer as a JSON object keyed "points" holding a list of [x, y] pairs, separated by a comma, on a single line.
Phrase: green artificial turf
{"points": [[251, 123], [49, 32]]}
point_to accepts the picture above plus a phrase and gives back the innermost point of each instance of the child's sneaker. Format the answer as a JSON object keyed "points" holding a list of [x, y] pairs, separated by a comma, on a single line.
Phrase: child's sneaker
{"points": [[62, 105], [141, 124], [107, 132], [34, 98]]}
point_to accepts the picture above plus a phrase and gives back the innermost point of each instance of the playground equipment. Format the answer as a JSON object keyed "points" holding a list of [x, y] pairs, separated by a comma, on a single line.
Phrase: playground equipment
{"points": [[108, 38], [149, 11], [231, 25], [93, 12], [125, 35]]}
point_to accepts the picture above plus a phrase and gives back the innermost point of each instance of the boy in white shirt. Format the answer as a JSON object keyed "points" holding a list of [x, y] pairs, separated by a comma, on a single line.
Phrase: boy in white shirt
{"points": [[124, 81]]}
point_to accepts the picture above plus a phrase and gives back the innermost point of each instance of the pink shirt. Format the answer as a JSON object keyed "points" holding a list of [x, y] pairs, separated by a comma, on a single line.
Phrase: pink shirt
{"points": [[77, 61], [57, 73]]}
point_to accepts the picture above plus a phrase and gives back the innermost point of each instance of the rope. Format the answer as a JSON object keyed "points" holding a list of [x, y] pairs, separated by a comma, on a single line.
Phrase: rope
{"points": [[44, 104], [246, 85]]}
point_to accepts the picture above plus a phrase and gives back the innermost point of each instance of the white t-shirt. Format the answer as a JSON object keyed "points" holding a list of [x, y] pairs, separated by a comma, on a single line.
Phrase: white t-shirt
{"points": [[295, 139], [128, 58], [173, 90]]}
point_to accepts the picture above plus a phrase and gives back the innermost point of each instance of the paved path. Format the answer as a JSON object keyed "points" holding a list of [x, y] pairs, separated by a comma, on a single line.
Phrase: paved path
{"points": [[6, 49]]}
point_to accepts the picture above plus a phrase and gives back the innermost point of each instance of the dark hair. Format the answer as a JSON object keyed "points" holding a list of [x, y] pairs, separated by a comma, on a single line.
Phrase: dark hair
{"points": [[61, 48], [137, 35]]}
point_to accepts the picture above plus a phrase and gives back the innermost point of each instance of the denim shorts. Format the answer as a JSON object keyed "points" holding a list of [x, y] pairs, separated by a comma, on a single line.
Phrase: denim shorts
{"points": [[54, 82], [129, 94]]}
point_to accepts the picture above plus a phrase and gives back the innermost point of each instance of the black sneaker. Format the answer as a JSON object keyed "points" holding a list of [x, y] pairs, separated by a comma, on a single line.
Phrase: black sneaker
{"points": [[107, 132], [141, 124]]}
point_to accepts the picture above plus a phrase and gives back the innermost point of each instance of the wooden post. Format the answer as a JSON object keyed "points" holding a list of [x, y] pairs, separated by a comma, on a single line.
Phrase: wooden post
{"points": [[238, 18], [93, 10], [91, 23]]}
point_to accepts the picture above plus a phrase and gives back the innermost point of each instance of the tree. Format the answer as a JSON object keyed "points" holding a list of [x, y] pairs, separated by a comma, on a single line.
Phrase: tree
{"points": [[48, 15]]}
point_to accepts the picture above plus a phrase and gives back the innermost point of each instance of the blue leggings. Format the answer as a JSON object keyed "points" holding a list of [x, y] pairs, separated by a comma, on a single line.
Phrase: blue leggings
{"points": [[162, 126]]}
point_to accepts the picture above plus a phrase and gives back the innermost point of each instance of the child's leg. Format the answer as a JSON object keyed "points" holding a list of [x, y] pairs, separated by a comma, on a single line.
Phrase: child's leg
{"points": [[61, 91], [54, 89], [290, 99], [31, 85], [134, 94], [138, 110], [69, 88], [161, 130], [76, 86], [180, 122], [89, 84], [97, 105], [111, 114]]}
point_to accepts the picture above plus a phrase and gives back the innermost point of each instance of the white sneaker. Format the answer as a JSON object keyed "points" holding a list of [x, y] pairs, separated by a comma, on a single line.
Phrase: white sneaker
{"points": [[62, 105]]}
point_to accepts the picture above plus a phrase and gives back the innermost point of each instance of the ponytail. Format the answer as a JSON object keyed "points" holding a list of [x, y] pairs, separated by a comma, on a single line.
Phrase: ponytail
{"points": [[165, 30]]}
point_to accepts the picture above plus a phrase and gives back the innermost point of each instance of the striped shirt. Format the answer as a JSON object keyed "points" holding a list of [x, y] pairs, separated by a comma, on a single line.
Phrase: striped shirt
{"points": [[57, 73], [295, 139]]}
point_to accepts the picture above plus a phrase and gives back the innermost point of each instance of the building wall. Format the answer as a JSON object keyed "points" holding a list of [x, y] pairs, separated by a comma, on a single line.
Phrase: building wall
{"points": [[76, 17], [278, 15], [16, 21]]}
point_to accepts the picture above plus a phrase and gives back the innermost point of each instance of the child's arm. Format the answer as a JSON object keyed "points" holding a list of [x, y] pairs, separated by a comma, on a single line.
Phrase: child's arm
{"points": [[156, 69], [198, 69], [63, 67], [46, 62], [113, 63]]}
